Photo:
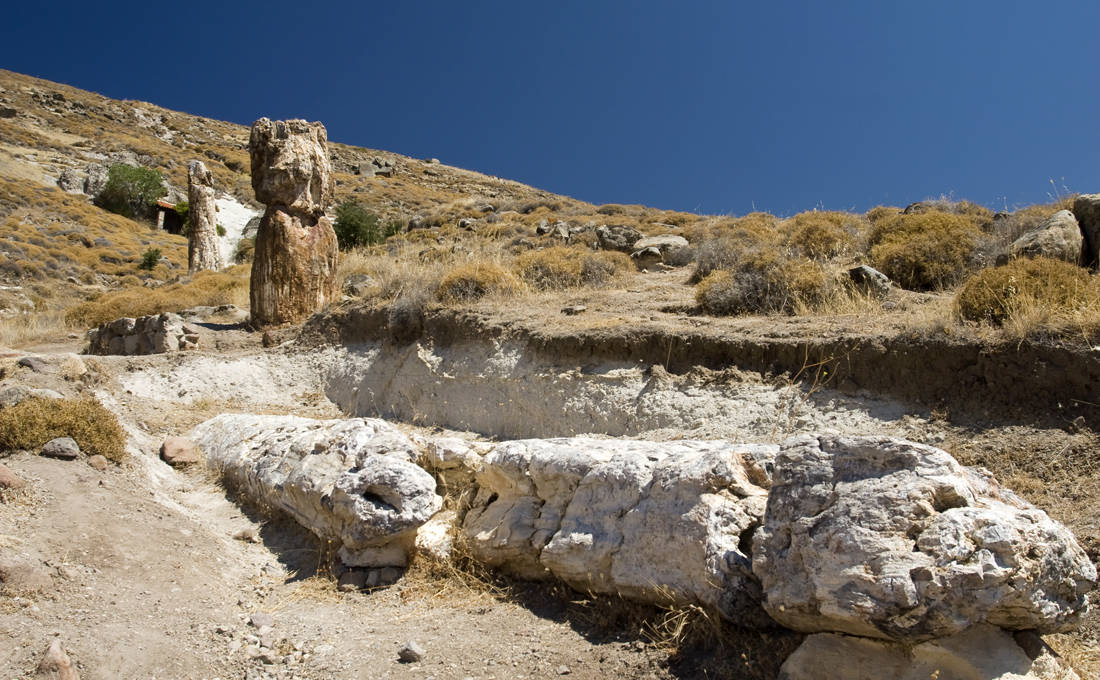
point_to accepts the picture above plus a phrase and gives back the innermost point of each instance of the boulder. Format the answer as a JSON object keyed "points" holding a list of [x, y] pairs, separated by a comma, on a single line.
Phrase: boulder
{"points": [[349, 481], [618, 237], [180, 452], [203, 252], [885, 538], [96, 179], [979, 653], [9, 480], [665, 522], [1057, 237], [294, 262], [62, 448], [154, 334], [13, 395], [71, 181], [1086, 208], [671, 249], [870, 280]]}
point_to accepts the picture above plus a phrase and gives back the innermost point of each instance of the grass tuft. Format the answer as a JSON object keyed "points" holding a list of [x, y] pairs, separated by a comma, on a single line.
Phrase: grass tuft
{"points": [[35, 421]]}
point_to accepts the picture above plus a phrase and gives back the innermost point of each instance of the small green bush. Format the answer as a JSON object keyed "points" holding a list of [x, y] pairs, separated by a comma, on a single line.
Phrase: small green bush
{"points": [[131, 191], [764, 281], [923, 251], [220, 229], [149, 259], [996, 295], [35, 421], [471, 282], [356, 226]]}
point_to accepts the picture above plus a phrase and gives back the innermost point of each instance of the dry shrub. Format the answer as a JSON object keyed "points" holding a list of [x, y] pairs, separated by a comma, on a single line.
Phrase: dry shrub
{"points": [[1028, 287], [880, 213], [730, 243], [206, 288], [35, 421], [764, 282], [563, 267], [470, 282], [923, 251], [823, 235]]}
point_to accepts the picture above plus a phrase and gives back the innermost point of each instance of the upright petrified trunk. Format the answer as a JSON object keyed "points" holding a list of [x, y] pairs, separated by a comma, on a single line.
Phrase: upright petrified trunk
{"points": [[294, 265], [202, 237]]}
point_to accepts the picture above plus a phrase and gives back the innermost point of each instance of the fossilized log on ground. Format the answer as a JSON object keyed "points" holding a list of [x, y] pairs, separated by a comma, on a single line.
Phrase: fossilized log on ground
{"points": [[350, 481], [885, 538], [667, 521]]}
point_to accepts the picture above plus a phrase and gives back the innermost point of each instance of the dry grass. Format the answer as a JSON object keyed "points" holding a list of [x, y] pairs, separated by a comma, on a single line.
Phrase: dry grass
{"points": [[474, 281], [35, 421], [924, 251], [562, 267], [206, 288], [765, 281], [34, 327], [823, 235]]}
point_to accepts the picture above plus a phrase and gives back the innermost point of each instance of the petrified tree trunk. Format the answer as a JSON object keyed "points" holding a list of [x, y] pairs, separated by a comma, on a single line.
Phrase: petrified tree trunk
{"points": [[202, 237], [294, 265]]}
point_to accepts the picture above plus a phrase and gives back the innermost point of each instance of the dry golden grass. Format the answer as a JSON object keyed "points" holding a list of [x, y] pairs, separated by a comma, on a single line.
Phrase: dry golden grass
{"points": [[206, 288], [474, 281], [35, 421], [34, 327], [563, 267], [821, 235], [763, 282]]}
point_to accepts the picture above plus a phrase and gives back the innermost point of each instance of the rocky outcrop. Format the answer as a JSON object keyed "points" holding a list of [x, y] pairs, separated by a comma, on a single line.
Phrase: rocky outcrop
{"points": [[618, 237], [661, 522], [884, 538], [667, 249], [202, 234], [154, 334], [980, 653], [1057, 237], [348, 481], [294, 265], [1086, 208]]}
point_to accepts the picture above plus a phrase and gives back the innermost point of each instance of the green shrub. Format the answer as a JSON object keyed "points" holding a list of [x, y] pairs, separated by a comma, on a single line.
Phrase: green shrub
{"points": [[356, 226], [764, 281], [999, 294], [35, 421], [471, 282], [220, 229], [149, 259], [183, 209], [922, 251], [131, 191]]}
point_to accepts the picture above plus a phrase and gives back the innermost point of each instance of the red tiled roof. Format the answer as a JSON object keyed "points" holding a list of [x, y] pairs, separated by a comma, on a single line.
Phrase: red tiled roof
{"points": [[166, 204]]}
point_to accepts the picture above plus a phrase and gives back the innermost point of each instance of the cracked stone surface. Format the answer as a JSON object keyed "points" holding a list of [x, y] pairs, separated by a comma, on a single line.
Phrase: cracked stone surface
{"points": [[351, 481], [655, 521], [884, 538]]}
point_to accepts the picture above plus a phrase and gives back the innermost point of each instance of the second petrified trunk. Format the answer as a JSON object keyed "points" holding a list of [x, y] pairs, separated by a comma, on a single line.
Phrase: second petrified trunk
{"points": [[202, 235]]}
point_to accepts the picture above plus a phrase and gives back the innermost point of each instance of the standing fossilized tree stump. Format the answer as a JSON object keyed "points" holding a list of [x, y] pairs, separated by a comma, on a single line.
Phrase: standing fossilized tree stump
{"points": [[202, 235], [294, 265]]}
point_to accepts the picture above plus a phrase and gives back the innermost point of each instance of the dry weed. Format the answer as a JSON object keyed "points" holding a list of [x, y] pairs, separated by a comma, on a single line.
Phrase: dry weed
{"points": [[35, 421]]}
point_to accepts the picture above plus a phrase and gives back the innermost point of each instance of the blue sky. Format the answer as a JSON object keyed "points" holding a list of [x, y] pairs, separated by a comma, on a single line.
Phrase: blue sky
{"points": [[716, 107]]}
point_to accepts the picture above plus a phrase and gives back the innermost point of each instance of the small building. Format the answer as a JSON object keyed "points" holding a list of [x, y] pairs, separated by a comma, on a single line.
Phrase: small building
{"points": [[167, 218]]}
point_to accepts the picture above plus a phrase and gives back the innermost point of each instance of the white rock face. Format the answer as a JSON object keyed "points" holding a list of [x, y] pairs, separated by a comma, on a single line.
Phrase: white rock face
{"points": [[885, 538], [351, 481], [663, 522], [980, 653]]}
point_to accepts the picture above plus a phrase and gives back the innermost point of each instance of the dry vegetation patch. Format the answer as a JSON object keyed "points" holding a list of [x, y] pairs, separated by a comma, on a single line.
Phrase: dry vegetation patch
{"points": [[35, 421], [924, 251]]}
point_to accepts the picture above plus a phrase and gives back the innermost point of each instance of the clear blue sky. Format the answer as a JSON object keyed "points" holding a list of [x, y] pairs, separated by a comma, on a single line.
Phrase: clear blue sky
{"points": [[716, 107]]}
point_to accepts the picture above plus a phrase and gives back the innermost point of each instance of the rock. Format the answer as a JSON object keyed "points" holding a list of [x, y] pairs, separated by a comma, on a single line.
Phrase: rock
{"points": [[664, 522], [1057, 237], [434, 538], [98, 462], [349, 481], [13, 395], [870, 280], [23, 575], [647, 258], [573, 310], [35, 364], [294, 264], [9, 480], [358, 285], [7, 112], [1086, 208], [667, 249], [416, 222], [885, 538], [411, 652], [203, 252], [56, 665], [262, 620], [618, 237], [979, 653], [154, 334], [71, 181], [365, 168], [180, 452], [352, 580], [96, 179], [63, 448], [453, 462]]}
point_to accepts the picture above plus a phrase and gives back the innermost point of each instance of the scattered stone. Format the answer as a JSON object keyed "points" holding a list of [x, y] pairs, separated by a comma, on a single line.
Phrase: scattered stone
{"points": [[351, 481], [870, 280], [294, 265], [1057, 237], [154, 334], [618, 237], [98, 462], [573, 310], [9, 480], [56, 665], [411, 652], [980, 653], [1086, 208], [563, 670], [885, 538], [358, 285], [262, 620], [387, 576], [35, 364], [203, 251], [62, 448], [180, 452]]}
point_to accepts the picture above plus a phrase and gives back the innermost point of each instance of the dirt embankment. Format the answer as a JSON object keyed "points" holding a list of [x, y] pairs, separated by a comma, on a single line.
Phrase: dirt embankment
{"points": [[1031, 383]]}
